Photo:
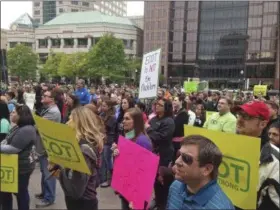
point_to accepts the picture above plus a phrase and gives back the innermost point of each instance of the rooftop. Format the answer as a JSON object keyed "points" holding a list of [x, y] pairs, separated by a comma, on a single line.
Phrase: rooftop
{"points": [[87, 18], [24, 20]]}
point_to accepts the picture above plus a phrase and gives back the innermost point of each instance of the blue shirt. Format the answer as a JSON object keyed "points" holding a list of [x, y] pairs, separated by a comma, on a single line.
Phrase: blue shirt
{"points": [[83, 96], [210, 196]]}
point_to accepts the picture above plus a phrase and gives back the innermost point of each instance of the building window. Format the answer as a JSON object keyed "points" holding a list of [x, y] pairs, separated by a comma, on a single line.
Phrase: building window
{"points": [[68, 43], [85, 4], [55, 43], [37, 4], [12, 44], [74, 2], [37, 12], [82, 43], [43, 43], [37, 20], [74, 10], [60, 10], [60, 2]]}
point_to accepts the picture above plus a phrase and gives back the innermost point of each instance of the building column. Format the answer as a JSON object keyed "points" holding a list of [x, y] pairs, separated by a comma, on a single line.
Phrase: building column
{"points": [[89, 42], [49, 43], [37, 44], [75, 43], [62, 43]]}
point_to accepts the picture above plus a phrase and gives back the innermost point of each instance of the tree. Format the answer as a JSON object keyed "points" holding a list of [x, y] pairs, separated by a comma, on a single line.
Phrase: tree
{"points": [[107, 59], [22, 62], [133, 66], [73, 65], [50, 68]]}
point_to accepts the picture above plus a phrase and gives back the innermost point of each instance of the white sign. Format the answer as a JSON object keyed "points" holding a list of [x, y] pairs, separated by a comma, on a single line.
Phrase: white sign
{"points": [[149, 74], [30, 100]]}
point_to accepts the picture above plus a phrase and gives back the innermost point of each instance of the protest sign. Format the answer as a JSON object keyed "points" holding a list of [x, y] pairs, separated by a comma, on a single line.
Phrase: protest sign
{"points": [[149, 75], [190, 86], [61, 145], [238, 172], [203, 86], [9, 173], [260, 90], [208, 114], [134, 173], [30, 100]]}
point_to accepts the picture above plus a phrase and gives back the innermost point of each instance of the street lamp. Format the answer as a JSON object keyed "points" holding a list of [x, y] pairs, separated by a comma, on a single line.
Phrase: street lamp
{"points": [[243, 79]]}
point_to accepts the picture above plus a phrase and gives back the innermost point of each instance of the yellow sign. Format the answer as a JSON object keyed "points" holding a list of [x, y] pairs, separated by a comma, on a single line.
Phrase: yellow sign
{"points": [[208, 114], [260, 90], [61, 145], [238, 172], [9, 173]]}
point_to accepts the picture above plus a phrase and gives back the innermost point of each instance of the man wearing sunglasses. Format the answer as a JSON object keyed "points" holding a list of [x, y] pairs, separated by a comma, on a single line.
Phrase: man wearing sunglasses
{"points": [[196, 172]]}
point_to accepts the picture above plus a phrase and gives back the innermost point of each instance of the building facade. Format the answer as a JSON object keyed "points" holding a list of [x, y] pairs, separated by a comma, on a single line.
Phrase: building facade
{"points": [[82, 31], [3, 39], [224, 42], [44, 11]]}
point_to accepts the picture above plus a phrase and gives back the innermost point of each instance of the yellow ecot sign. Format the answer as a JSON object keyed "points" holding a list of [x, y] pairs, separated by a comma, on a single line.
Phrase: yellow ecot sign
{"points": [[9, 173], [260, 90], [61, 145], [238, 172]]}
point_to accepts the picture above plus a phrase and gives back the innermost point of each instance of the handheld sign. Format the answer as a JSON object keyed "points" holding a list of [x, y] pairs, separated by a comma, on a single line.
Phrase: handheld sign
{"points": [[260, 90], [61, 145], [149, 75], [9, 173], [133, 166], [190, 86], [238, 172]]}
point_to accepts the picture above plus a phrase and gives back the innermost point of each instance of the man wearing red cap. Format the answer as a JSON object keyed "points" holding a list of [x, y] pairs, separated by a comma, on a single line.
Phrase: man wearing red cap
{"points": [[252, 119]]}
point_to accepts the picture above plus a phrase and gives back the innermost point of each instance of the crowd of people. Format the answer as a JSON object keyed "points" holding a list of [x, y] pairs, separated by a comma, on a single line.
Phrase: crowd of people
{"points": [[188, 166]]}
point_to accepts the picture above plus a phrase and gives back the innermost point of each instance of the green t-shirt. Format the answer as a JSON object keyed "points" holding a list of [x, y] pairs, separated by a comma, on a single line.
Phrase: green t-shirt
{"points": [[5, 126], [225, 123]]}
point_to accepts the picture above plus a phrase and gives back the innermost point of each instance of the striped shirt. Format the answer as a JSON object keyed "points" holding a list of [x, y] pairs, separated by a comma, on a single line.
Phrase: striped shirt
{"points": [[208, 197]]}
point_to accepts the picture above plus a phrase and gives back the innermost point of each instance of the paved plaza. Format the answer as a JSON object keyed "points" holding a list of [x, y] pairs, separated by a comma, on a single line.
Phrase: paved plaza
{"points": [[106, 196]]}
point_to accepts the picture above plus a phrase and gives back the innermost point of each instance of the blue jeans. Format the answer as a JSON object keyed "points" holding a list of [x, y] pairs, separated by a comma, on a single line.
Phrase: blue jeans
{"points": [[23, 199], [48, 184], [106, 164]]}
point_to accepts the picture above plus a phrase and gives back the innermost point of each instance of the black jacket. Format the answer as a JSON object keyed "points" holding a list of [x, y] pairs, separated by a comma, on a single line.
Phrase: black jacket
{"points": [[181, 119], [161, 133]]}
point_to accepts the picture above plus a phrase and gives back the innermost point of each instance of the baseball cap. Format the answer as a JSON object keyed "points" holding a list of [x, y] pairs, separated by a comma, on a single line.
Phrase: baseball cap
{"points": [[255, 109]]}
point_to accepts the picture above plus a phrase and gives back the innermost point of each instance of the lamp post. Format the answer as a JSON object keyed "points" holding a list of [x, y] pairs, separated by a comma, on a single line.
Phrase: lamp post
{"points": [[243, 79], [170, 80]]}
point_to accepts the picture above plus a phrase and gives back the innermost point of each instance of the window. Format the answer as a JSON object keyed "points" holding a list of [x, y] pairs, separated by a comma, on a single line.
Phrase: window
{"points": [[269, 32], [74, 2], [60, 10], [36, 4], [255, 22], [43, 43], [85, 4], [254, 46], [55, 43], [37, 12], [82, 43], [60, 2], [68, 43], [37, 20], [74, 10], [270, 7], [254, 33], [255, 10], [269, 20]]}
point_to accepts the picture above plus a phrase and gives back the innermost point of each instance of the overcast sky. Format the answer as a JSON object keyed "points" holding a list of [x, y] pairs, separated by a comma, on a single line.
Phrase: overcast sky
{"points": [[11, 10]]}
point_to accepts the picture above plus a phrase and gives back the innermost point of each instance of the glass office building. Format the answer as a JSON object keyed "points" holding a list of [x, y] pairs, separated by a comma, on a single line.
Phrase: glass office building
{"points": [[224, 42]]}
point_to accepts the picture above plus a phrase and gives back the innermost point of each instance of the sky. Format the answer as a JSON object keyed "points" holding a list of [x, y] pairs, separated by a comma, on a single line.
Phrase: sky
{"points": [[11, 10]]}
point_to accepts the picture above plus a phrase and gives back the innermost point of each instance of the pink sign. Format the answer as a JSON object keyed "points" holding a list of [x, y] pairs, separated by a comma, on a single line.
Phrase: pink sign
{"points": [[134, 173]]}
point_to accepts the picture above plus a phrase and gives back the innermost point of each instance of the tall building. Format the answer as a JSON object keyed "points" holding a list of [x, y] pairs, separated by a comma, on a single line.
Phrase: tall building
{"points": [[44, 11], [224, 42]]}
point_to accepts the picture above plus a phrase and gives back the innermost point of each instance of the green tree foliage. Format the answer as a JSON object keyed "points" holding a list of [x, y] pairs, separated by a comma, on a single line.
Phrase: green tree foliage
{"points": [[22, 62], [107, 58], [73, 65], [50, 68]]}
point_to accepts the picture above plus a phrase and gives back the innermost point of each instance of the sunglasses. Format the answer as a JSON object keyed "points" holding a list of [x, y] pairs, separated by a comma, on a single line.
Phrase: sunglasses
{"points": [[187, 158]]}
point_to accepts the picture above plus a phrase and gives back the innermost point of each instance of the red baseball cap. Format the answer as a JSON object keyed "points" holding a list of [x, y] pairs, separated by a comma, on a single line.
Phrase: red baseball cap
{"points": [[255, 109]]}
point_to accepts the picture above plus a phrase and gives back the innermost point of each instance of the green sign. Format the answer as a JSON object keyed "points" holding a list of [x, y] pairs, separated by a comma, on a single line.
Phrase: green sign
{"points": [[190, 86]]}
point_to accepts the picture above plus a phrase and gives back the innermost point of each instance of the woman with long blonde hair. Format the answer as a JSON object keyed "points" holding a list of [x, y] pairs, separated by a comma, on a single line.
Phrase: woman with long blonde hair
{"points": [[79, 188]]}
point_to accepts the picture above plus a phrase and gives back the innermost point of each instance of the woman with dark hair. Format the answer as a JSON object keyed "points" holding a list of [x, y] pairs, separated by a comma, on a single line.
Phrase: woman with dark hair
{"points": [[160, 130], [20, 99], [200, 115], [126, 104], [20, 140], [142, 107], [72, 102], [133, 124], [38, 97], [4, 120], [108, 116]]}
